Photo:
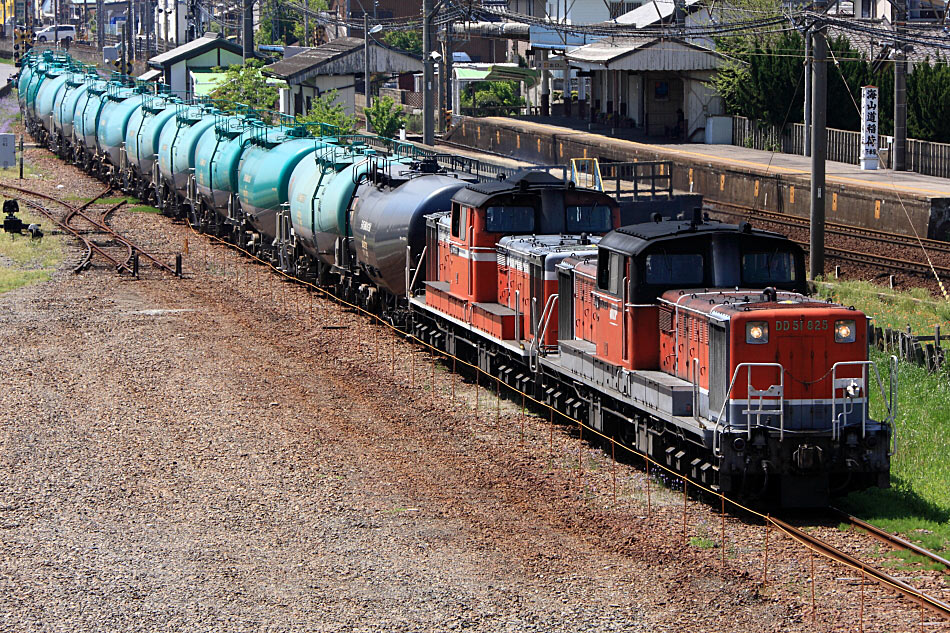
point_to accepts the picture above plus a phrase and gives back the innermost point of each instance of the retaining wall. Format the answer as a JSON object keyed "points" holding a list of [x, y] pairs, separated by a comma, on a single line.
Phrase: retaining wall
{"points": [[880, 209]]}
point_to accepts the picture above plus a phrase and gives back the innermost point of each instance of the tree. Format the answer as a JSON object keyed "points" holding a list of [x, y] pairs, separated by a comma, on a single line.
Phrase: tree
{"points": [[327, 110], [928, 102], [280, 24], [246, 85], [386, 116], [493, 98], [765, 82], [410, 41]]}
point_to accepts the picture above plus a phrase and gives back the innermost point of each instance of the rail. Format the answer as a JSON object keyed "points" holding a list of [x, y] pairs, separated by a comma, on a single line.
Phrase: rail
{"points": [[892, 539]]}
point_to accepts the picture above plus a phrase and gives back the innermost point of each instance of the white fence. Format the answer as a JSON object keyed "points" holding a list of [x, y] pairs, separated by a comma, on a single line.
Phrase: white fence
{"points": [[923, 157]]}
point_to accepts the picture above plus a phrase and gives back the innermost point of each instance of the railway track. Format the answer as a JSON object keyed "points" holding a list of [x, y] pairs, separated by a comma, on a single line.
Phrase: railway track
{"points": [[871, 572], [834, 228], [886, 262], [891, 539], [100, 225]]}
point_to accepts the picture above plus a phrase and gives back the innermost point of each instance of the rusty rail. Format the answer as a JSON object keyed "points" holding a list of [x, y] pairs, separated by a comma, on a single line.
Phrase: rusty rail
{"points": [[892, 539], [882, 578], [72, 211]]}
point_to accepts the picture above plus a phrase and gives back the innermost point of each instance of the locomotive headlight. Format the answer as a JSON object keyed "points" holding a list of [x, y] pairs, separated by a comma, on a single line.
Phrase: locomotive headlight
{"points": [[844, 331], [756, 332]]}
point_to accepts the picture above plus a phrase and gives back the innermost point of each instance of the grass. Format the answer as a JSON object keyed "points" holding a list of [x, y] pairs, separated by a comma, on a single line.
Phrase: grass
{"points": [[6, 60], [917, 505], [892, 309], [702, 542], [27, 260]]}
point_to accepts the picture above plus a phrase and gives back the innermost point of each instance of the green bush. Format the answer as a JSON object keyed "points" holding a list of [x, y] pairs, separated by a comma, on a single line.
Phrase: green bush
{"points": [[327, 110], [386, 116]]}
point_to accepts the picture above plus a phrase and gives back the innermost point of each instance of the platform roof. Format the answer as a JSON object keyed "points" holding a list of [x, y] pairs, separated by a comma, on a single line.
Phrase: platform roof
{"points": [[496, 72], [643, 54]]}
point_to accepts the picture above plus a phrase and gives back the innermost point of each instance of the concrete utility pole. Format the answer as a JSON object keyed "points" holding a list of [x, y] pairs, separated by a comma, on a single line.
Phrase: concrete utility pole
{"points": [[819, 145], [808, 92], [899, 149], [448, 60], [428, 133], [130, 32], [247, 37], [100, 24], [306, 23], [367, 82]]}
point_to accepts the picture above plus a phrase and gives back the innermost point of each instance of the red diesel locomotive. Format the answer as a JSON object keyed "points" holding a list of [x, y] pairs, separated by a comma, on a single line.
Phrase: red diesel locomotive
{"points": [[690, 340]]}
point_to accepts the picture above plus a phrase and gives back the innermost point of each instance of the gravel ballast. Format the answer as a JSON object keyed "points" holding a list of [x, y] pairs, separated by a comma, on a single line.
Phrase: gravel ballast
{"points": [[203, 454]]}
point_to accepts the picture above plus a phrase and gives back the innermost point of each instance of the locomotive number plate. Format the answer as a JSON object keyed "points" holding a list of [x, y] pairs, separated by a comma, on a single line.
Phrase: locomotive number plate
{"points": [[811, 325]]}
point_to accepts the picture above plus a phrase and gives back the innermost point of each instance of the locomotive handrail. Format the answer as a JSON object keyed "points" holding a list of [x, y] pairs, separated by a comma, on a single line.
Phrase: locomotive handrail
{"points": [[722, 426], [537, 345], [839, 420], [415, 275]]}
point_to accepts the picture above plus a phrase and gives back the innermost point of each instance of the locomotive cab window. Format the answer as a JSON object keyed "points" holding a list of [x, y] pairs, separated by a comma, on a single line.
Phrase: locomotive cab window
{"points": [[596, 218], [611, 270], [459, 220], [766, 268], [677, 270], [509, 219]]}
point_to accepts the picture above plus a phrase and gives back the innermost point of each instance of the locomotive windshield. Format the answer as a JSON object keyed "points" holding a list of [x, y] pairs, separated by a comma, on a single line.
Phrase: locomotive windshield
{"points": [[675, 269], [509, 219], [767, 268], [589, 219]]}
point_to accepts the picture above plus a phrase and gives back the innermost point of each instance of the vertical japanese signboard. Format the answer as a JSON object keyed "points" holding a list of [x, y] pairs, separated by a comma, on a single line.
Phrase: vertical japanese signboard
{"points": [[869, 127]]}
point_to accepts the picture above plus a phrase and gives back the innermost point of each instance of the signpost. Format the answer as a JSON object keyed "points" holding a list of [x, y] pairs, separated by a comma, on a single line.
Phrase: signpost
{"points": [[869, 127]]}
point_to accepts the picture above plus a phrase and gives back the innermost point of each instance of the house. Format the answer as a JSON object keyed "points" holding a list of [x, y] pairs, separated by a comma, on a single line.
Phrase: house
{"points": [[660, 85], [207, 52], [335, 66]]}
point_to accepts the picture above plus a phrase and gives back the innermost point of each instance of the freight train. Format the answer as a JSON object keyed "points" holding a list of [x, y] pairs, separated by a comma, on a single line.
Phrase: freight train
{"points": [[689, 340]]}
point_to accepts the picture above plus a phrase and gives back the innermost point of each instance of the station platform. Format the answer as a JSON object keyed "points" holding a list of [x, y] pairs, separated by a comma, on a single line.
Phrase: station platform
{"points": [[903, 202]]}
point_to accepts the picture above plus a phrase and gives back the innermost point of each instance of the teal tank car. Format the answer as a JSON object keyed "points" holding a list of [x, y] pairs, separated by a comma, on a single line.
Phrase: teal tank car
{"points": [[310, 191], [88, 121], [120, 104], [36, 80], [217, 159], [265, 170], [144, 130], [26, 74], [330, 217], [176, 145], [64, 110], [46, 96]]}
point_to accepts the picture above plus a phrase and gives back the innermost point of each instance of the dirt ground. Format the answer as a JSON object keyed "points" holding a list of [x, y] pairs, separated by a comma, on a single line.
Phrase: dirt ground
{"points": [[214, 454]]}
